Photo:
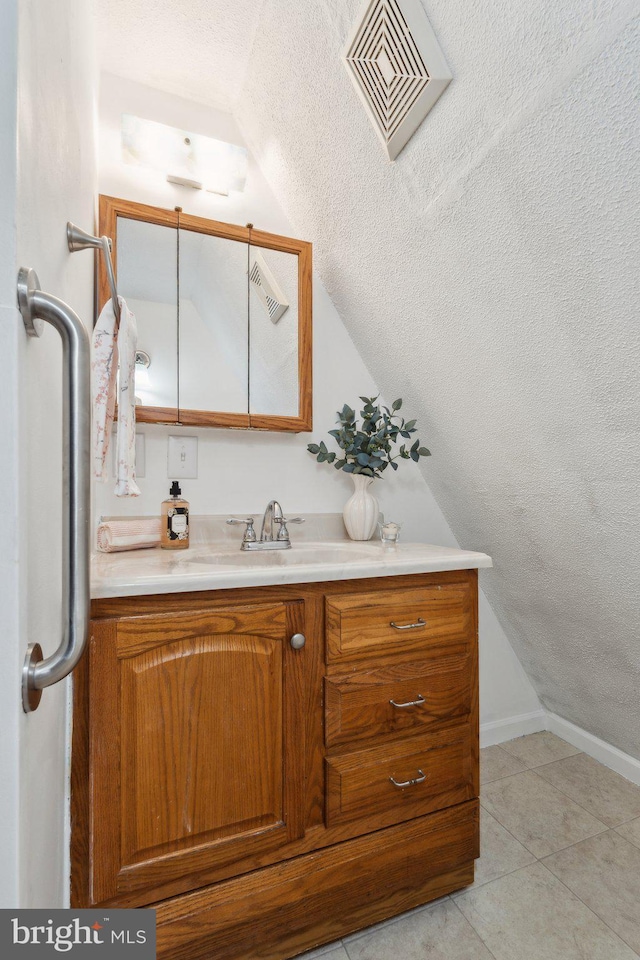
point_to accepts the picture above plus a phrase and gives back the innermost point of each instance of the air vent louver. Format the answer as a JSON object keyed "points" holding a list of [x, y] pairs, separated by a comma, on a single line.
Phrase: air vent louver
{"points": [[266, 286], [397, 68]]}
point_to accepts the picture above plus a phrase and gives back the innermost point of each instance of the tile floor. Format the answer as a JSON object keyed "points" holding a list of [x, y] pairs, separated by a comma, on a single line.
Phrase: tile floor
{"points": [[558, 877]]}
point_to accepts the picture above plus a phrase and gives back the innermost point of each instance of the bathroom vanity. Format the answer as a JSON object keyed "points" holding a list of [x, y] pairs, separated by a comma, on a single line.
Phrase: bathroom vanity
{"points": [[274, 754]]}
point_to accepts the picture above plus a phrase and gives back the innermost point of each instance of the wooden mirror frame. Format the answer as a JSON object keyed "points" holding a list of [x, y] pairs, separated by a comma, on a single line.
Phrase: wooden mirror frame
{"points": [[111, 208]]}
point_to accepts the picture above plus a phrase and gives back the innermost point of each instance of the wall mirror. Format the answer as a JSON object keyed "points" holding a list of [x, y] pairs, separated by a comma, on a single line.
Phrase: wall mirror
{"points": [[223, 315]]}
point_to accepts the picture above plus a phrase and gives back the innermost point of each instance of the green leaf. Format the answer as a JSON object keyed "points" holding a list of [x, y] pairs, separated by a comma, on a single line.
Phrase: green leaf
{"points": [[349, 467], [396, 404], [414, 455], [363, 459], [424, 452], [394, 464], [313, 448], [414, 448], [410, 424]]}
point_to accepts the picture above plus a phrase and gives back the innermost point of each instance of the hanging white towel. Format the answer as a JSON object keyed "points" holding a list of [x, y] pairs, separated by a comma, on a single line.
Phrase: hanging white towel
{"points": [[114, 346]]}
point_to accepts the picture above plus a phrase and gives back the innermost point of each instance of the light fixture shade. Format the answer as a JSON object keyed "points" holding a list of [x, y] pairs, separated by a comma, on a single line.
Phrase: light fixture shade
{"points": [[186, 158], [397, 68]]}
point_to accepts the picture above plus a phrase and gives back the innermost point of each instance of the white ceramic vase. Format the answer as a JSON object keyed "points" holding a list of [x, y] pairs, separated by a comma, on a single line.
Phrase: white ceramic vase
{"points": [[361, 509]]}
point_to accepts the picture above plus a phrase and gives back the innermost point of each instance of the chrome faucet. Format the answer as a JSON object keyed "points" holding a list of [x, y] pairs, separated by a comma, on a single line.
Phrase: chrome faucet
{"points": [[272, 514]]}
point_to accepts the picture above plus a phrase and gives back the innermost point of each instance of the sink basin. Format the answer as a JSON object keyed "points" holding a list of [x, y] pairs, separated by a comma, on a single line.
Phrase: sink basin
{"points": [[296, 555]]}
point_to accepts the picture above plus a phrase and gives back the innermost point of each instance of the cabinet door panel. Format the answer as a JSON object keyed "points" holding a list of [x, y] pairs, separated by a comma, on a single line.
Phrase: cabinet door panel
{"points": [[203, 744]]}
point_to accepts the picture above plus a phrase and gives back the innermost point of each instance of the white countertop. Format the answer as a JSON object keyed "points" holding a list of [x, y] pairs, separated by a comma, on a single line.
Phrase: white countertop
{"points": [[222, 565]]}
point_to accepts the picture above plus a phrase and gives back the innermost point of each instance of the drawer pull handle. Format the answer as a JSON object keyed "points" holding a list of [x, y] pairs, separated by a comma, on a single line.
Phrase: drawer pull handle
{"points": [[409, 626], [410, 703], [409, 783]]}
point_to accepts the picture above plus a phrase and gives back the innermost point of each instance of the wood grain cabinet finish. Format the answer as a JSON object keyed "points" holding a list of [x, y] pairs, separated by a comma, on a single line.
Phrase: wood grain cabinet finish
{"points": [[400, 621], [197, 748], [397, 698], [408, 778], [246, 789]]}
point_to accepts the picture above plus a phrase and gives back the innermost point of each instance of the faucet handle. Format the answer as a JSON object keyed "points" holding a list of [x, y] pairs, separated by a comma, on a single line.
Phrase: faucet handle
{"points": [[249, 534], [283, 533]]}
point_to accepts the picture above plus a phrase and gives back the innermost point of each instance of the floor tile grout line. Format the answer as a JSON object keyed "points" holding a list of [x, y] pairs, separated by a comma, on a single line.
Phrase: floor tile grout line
{"points": [[553, 786], [512, 835], [484, 783], [536, 858], [578, 897], [477, 932], [465, 890], [577, 803], [359, 934]]}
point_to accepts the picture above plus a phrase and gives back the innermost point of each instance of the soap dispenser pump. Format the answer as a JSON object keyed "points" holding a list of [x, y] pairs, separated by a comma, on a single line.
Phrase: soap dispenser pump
{"points": [[175, 520]]}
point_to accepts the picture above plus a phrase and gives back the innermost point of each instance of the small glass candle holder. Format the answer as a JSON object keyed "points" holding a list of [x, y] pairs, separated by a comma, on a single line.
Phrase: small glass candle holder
{"points": [[389, 531]]}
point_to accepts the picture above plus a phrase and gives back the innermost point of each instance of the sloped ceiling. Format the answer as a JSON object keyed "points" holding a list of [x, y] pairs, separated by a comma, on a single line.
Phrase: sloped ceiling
{"points": [[198, 49], [489, 276]]}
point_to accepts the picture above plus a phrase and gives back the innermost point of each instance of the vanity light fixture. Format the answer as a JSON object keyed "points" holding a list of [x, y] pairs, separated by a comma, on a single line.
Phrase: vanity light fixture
{"points": [[189, 159], [397, 68]]}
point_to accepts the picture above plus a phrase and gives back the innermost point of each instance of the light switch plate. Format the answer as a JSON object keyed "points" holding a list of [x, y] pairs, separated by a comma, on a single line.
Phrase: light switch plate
{"points": [[182, 458], [140, 455]]}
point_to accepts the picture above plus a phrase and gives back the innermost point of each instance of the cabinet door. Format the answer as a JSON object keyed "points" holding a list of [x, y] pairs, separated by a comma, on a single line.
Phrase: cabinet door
{"points": [[196, 744]]}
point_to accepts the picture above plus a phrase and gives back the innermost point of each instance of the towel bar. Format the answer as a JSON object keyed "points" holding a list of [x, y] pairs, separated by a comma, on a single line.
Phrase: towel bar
{"points": [[78, 239]]}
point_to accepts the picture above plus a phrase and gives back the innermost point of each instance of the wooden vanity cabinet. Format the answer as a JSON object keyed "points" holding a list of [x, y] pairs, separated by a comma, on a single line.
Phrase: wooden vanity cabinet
{"points": [[266, 799]]}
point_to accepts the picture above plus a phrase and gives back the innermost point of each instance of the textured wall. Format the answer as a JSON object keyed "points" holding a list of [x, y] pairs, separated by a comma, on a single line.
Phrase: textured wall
{"points": [[490, 276]]}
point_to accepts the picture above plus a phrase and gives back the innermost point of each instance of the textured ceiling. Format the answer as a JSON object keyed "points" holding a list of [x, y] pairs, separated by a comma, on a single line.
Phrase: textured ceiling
{"points": [[198, 49], [490, 276]]}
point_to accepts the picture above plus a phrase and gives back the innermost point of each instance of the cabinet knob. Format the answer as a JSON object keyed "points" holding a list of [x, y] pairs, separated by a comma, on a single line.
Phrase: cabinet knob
{"points": [[298, 641]]}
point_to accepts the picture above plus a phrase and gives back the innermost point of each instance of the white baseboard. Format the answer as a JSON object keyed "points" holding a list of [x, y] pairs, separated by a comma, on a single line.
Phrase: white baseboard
{"points": [[499, 731], [610, 756]]}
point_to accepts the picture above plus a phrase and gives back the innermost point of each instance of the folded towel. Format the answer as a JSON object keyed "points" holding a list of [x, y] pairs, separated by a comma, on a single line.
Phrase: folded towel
{"points": [[114, 346], [116, 535]]}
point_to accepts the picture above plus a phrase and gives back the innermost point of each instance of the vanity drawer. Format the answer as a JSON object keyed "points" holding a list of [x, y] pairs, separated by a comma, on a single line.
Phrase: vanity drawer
{"points": [[402, 698], [434, 771], [398, 622]]}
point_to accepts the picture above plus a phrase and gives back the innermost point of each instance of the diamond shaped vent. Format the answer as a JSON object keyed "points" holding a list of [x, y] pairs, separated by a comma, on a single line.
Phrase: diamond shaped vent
{"points": [[397, 68], [266, 286]]}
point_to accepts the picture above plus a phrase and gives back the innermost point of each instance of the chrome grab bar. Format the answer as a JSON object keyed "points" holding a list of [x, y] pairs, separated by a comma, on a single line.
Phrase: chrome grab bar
{"points": [[36, 307]]}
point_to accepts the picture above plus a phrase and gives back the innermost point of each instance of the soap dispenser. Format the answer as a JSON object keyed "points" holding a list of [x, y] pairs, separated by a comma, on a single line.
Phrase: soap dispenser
{"points": [[175, 520]]}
